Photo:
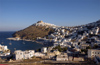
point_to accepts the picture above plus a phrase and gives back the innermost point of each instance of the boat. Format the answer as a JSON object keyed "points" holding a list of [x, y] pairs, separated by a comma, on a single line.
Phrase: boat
{"points": [[23, 42], [10, 43], [2, 43], [14, 48]]}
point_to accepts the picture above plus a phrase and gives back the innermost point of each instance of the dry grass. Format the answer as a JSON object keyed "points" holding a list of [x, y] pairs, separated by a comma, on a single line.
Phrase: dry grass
{"points": [[32, 60], [32, 32]]}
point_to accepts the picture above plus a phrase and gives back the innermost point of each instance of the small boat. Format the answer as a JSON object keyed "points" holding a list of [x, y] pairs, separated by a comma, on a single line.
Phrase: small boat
{"points": [[14, 48], [10, 43], [23, 42], [2, 43]]}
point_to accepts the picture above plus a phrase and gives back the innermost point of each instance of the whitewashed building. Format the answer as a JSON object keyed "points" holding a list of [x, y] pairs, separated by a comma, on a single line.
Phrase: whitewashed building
{"points": [[97, 30], [23, 54], [83, 46], [3, 48], [93, 52], [62, 57], [38, 54], [44, 50]]}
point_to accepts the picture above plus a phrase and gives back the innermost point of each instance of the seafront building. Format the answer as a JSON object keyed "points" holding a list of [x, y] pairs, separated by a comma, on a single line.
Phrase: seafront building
{"points": [[4, 51], [3, 48], [44, 50]]}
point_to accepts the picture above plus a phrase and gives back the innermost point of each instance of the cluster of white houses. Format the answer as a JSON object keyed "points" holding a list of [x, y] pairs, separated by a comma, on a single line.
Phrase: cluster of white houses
{"points": [[19, 55], [4, 51], [41, 23], [23, 54]]}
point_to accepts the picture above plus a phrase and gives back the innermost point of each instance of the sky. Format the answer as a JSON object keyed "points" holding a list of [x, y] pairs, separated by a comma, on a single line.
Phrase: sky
{"points": [[19, 14]]}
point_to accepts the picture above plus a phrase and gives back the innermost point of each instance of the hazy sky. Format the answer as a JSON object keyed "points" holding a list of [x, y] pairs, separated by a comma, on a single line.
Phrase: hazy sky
{"points": [[18, 14]]}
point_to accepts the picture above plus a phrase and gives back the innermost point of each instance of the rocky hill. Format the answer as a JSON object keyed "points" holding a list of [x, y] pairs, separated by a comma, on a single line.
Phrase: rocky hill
{"points": [[39, 29]]}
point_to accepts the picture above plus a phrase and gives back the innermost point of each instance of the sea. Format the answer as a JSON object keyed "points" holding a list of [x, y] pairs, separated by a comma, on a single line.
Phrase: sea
{"points": [[17, 45]]}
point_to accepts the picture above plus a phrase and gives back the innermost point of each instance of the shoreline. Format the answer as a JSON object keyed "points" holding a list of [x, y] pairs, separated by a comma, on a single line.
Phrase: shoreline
{"points": [[15, 39]]}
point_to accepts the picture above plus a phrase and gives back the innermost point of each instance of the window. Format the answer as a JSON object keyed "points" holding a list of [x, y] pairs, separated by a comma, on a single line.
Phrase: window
{"points": [[93, 52]]}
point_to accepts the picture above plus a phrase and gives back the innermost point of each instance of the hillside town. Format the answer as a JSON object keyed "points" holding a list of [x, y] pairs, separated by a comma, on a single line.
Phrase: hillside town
{"points": [[70, 44]]}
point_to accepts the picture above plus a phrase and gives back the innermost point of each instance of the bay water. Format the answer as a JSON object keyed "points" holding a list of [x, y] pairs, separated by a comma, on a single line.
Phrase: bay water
{"points": [[17, 45]]}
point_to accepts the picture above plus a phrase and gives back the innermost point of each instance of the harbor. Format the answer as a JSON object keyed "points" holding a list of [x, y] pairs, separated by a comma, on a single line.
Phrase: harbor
{"points": [[12, 43]]}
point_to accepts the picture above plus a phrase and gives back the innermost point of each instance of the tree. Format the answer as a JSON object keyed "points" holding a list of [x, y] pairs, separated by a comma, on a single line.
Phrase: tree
{"points": [[95, 46], [89, 47], [38, 50], [60, 49], [79, 43], [84, 50], [65, 49]]}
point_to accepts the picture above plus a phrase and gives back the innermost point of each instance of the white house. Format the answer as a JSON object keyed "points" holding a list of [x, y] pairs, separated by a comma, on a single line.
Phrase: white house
{"points": [[63, 30], [38, 54], [3, 48], [23, 54], [62, 57], [44, 50], [75, 44], [55, 44], [83, 46], [93, 53], [97, 30]]}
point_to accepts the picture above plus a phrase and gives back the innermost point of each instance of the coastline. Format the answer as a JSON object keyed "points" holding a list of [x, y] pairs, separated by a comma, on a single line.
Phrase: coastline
{"points": [[15, 39]]}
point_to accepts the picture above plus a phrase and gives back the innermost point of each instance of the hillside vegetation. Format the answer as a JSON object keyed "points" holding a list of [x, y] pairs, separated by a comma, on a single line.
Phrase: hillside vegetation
{"points": [[32, 32]]}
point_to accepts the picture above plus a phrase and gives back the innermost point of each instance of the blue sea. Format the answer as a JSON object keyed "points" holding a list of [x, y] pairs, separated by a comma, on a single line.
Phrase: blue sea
{"points": [[17, 45]]}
